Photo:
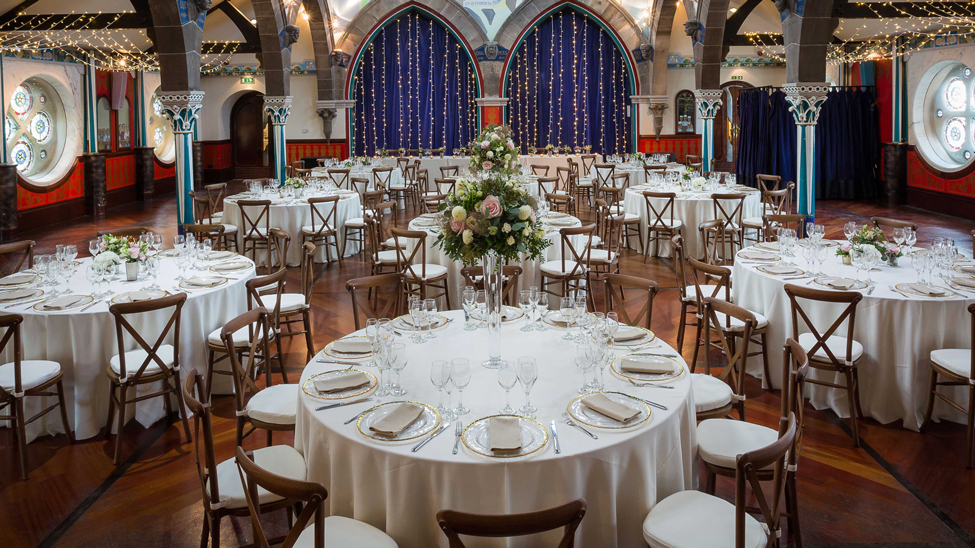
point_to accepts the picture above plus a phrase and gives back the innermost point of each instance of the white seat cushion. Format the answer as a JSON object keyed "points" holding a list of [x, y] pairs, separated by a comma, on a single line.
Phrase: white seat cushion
{"points": [[720, 441], [275, 404], [387, 257], [753, 222], [597, 241], [355, 222], [958, 361], [241, 337], [258, 230], [218, 216], [555, 268], [601, 256], [391, 242], [289, 302], [836, 344], [691, 292], [32, 373], [631, 218], [341, 532], [692, 519], [309, 229], [282, 460], [134, 359], [710, 393], [667, 223], [738, 325], [428, 271]]}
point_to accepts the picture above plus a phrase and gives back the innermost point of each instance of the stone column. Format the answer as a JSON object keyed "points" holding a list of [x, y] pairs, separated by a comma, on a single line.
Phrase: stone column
{"points": [[278, 108], [491, 110], [145, 173], [329, 111], [895, 173], [8, 202], [183, 110], [637, 101], [899, 93], [658, 106], [90, 96], [96, 193], [807, 102], [708, 102]]}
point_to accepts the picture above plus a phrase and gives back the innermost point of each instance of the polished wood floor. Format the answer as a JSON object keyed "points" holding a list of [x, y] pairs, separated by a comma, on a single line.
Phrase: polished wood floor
{"points": [[901, 488]]}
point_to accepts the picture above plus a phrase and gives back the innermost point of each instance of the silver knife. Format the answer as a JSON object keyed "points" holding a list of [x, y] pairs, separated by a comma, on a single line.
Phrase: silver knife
{"points": [[93, 303], [555, 437], [339, 362], [420, 445], [458, 431], [343, 404], [355, 418], [648, 402]]}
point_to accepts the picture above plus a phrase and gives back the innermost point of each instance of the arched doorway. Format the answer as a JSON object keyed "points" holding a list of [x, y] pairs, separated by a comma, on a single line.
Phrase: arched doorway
{"points": [[250, 138], [726, 127]]}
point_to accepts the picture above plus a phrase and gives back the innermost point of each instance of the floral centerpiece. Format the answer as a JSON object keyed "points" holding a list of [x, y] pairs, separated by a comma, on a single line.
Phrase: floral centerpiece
{"points": [[493, 151], [873, 237], [294, 182], [126, 249], [550, 148], [349, 163], [697, 183], [401, 151], [422, 151], [531, 151], [638, 156], [587, 148], [382, 152]]}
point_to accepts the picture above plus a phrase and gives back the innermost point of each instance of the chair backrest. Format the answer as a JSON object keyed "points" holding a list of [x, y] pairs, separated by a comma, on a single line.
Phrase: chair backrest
{"points": [[702, 273], [307, 269], [604, 174], [323, 223], [650, 169], [302, 173], [203, 231], [734, 372], [680, 264], [359, 184], [449, 172], [386, 221], [768, 182], [393, 303], [568, 516], [406, 262], [712, 237], [310, 495], [120, 232], [613, 236], [340, 177], [659, 217], [588, 160], [202, 209], [256, 215], [25, 249], [258, 353], [474, 275], [216, 193], [748, 468], [848, 315], [382, 175], [778, 202], [372, 198], [402, 162], [547, 185], [282, 241], [795, 367], [729, 208], [559, 202], [563, 174], [272, 284], [196, 400], [445, 186], [643, 287], [540, 170], [578, 254], [409, 174], [612, 194], [11, 324], [887, 222], [128, 372], [774, 222]]}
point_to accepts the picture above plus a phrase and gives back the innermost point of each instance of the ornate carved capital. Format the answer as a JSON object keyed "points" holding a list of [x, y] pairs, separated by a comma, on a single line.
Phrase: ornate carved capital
{"points": [[647, 51], [782, 6], [182, 108], [657, 111], [806, 101], [327, 115], [278, 108], [708, 102], [291, 34]]}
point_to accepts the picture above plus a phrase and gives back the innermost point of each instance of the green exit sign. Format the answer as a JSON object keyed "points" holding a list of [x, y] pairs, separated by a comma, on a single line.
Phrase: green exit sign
{"points": [[246, 79], [737, 77]]}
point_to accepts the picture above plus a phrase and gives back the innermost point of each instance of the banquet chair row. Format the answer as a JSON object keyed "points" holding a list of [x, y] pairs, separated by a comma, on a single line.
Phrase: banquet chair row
{"points": [[510, 274]]}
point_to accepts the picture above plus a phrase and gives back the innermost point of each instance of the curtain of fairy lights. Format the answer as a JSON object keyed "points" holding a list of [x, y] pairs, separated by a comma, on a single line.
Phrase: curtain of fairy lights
{"points": [[569, 85], [414, 88]]}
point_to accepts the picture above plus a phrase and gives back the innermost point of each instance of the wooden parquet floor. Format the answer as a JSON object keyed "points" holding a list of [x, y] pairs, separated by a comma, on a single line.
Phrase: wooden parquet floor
{"points": [[901, 488]]}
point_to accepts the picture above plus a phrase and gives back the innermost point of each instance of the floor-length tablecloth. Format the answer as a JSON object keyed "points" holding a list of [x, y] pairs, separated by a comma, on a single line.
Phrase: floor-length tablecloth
{"points": [[622, 474]]}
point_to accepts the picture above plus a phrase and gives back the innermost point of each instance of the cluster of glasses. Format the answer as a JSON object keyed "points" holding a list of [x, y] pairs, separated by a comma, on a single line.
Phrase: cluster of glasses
{"points": [[58, 265], [447, 377], [387, 355], [329, 162], [525, 372], [815, 252], [656, 158], [595, 352], [265, 190], [189, 252], [906, 236], [534, 303], [423, 314], [942, 256], [787, 244], [575, 312]]}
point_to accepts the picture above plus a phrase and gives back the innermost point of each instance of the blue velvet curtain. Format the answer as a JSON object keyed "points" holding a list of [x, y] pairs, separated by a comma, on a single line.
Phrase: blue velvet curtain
{"points": [[414, 87], [568, 84]]}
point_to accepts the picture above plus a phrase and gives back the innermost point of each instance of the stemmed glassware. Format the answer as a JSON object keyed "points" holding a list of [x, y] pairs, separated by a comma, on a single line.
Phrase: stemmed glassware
{"points": [[481, 304], [525, 304], [568, 311], [381, 353], [850, 229], [580, 316], [599, 350], [470, 295], [417, 317], [460, 373], [397, 362], [94, 276], [612, 326], [183, 261], [439, 373], [430, 309], [527, 375], [94, 247], [583, 361], [372, 326], [542, 309], [910, 238], [822, 253], [507, 378]]}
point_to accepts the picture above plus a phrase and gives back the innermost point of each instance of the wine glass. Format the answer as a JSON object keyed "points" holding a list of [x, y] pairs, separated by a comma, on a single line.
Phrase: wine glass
{"points": [[525, 304], [542, 309], [568, 311], [381, 354], [94, 278], [470, 295], [481, 304], [372, 327], [439, 372], [507, 378], [583, 361], [527, 375], [182, 261], [822, 253], [917, 261], [157, 242], [850, 230], [417, 316], [397, 361], [179, 241], [460, 373], [599, 349], [910, 238], [612, 326], [94, 247], [809, 252], [581, 309], [899, 236], [430, 309]]}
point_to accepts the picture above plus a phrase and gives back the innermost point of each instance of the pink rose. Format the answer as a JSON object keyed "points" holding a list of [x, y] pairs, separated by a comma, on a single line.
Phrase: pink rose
{"points": [[487, 164], [458, 226], [102, 245], [847, 248], [491, 207], [134, 252], [533, 216], [893, 249], [485, 145], [511, 144]]}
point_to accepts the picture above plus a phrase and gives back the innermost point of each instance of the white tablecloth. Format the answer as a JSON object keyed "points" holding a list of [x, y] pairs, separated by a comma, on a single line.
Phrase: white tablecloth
{"points": [[290, 216], [693, 208], [84, 342], [897, 334], [622, 474]]}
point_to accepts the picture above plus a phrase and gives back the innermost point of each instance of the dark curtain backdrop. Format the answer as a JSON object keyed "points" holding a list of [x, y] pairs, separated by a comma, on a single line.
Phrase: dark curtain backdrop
{"points": [[414, 87], [847, 142], [568, 84]]}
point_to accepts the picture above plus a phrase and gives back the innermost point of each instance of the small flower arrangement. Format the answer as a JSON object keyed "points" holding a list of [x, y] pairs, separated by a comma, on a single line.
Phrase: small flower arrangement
{"points": [[550, 148], [401, 151], [491, 215], [422, 151], [382, 153], [587, 148], [493, 151], [697, 183], [638, 156], [126, 248], [567, 149], [364, 160], [875, 238], [531, 151], [107, 258], [294, 182]]}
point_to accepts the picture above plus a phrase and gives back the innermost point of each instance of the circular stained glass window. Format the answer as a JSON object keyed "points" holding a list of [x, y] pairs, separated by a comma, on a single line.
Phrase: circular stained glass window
{"points": [[22, 101], [40, 126], [955, 133], [955, 94], [158, 136], [23, 155]]}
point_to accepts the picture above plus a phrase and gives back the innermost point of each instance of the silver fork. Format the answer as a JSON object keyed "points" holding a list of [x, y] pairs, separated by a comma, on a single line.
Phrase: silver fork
{"points": [[647, 384], [568, 420]]}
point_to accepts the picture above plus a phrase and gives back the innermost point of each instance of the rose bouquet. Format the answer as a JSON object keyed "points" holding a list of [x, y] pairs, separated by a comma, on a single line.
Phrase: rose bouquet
{"points": [[493, 151], [567, 150], [126, 248], [550, 148], [294, 182], [875, 238], [382, 153]]}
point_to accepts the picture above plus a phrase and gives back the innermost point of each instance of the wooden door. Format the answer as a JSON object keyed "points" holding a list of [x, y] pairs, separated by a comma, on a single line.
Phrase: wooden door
{"points": [[726, 127], [250, 138]]}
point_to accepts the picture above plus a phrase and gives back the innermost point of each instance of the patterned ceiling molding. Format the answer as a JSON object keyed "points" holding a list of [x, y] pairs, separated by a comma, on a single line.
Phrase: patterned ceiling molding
{"points": [[676, 60]]}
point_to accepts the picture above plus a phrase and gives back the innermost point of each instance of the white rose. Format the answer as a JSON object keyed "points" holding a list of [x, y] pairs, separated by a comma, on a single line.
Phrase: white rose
{"points": [[511, 240], [507, 157], [467, 236], [524, 212], [527, 232], [458, 213], [490, 154], [506, 228]]}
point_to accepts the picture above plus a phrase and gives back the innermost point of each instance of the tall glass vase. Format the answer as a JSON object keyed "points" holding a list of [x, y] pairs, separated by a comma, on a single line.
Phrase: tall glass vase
{"points": [[493, 295]]}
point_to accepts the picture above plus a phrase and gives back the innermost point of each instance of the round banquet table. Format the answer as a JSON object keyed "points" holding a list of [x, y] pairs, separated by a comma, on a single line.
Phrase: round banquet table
{"points": [[693, 208], [897, 332], [530, 276], [83, 342], [290, 216], [622, 474]]}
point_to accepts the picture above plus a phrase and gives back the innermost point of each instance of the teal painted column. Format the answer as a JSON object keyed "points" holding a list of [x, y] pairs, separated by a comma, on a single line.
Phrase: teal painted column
{"points": [[708, 102], [806, 102], [899, 92], [140, 109], [90, 93], [183, 110], [278, 108]]}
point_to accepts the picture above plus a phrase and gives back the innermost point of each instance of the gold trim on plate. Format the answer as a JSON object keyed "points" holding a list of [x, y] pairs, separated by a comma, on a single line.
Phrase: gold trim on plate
{"points": [[622, 426], [358, 423], [619, 371], [463, 437], [310, 381]]}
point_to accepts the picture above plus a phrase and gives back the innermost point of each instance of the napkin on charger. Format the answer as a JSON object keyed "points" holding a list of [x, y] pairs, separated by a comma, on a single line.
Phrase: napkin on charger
{"points": [[201, 281], [504, 433], [17, 279], [964, 282], [352, 346], [609, 408], [629, 333], [397, 420], [340, 383], [840, 283], [16, 294], [757, 255], [62, 302], [925, 289], [652, 366], [780, 270]]}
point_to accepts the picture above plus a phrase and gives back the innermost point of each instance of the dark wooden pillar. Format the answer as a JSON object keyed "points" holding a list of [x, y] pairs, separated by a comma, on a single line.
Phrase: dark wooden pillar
{"points": [[95, 181], [145, 173], [895, 173], [198, 182], [8, 202]]}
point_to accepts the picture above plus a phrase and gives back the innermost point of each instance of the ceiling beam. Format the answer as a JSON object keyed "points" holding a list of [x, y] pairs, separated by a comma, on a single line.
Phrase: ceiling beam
{"points": [[243, 24], [893, 10], [734, 23], [77, 21], [15, 11]]}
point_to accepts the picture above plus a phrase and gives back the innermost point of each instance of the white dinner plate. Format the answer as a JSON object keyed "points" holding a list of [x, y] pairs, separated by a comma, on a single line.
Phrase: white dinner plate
{"points": [[580, 413], [328, 351], [617, 368], [511, 314], [308, 387], [477, 438], [127, 296], [19, 295], [405, 322], [427, 422]]}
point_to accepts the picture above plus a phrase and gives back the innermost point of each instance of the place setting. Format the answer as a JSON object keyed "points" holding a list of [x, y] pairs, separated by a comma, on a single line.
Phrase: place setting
{"points": [[609, 410], [355, 347], [342, 384], [198, 283]]}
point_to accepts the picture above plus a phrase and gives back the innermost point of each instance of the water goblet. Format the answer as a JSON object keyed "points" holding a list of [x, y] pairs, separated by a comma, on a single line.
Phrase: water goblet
{"points": [[600, 350], [416, 315], [179, 241], [439, 373], [94, 247], [157, 242], [809, 254], [542, 309], [525, 304], [583, 360], [527, 375], [460, 374], [480, 301], [470, 294], [910, 238], [397, 361], [612, 326], [430, 309], [507, 378], [94, 278], [582, 308], [850, 229], [568, 311], [372, 326], [448, 387]]}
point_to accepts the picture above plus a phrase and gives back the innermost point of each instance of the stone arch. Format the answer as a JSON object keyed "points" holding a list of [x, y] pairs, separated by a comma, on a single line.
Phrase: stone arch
{"points": [[178, 44], [807, 29], [707, 35], [323, 42], [273, 28]]}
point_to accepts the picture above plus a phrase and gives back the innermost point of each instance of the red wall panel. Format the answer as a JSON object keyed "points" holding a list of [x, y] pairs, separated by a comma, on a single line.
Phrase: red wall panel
{"points": [[681, 146], [73, 188]]}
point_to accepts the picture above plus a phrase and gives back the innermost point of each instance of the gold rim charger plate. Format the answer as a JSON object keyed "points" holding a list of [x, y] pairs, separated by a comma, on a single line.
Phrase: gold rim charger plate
{"points": [[906, 288], [617, 368], [772, 270], [477, 438], [405, 322], [222, 282], [553, 318], [308, 387], [19, 295], [753, 256], [82, 300], [220, 255], [426, 423], [636, 342], [825, 282], [328, 351], [961, 269], [230, 267], [589, 417], [28, 278], [127, 296], [512, 314]]}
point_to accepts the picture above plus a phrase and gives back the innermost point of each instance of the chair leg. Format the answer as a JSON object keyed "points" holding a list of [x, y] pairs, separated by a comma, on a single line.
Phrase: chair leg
{"points": [[709, 482], [681, 326], [206, 531], [240, 430], [182, 408], [64, 412], [21, 437], [215, 533], [792, 506], [768, 376], [971, 423], [850, 388], [931, 397], [856, 391], [111, 410], [284, 374], [121, 422], [697, 346], [306, 319]]}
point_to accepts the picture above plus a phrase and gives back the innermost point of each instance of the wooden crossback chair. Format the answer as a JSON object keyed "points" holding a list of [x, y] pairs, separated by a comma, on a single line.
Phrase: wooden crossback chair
{"points": [[733, 372], [887, 222], [382, 177], [322, 231], [135, 231], [826, 350], [213, 232], [661, 225], [540, 170], [729, 208], [563, 175], [22, 252], [340, 177], [775, 222], [153, 363], [768, 182], [774, 202], [605, 260], [216, 192], [712, 235], [402, 162], [569, 271], [548, 185], [301, 173], [588, 160], [203, 214], [420, 275], [373, 285], [650, 169], [382, 260], [256, 229], [562, 203], [359, 184], [957, 368], [686, 289], [604, 175], [615, 303], [449, 172], [266, 292], [566, 517], [292, 309], [510, 274]]}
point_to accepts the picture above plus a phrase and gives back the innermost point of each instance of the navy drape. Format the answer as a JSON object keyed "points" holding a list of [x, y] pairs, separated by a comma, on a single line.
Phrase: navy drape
{"points": [[414, 87], [569, 84]]}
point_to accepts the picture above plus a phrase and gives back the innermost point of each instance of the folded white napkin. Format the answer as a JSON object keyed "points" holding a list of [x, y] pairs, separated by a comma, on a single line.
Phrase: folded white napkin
{"points": [[17, 279], [136, 296], [204, 281], [968, 269], [397, 420], [964, 282], [757, 255], [220, 255], [408, 320], [629, 333], [609, 408], [16, 294], [780, 270], [561, 222], [772, 246], [230, 267], [840, 283], [557, 215], [355, 346], [340, 383], [61, 302], [648, 365], [925, 289], [504, 433]]}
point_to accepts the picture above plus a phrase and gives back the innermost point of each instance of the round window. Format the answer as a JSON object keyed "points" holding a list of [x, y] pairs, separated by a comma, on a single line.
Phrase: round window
{"points": [[34, 128], [161, 131]]}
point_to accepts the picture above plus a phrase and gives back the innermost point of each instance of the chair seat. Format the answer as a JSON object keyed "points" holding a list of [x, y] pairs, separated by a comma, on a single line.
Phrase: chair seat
{"points": [[753, 222], [692, 519], [314, 230], [241, 337], [629, 218], [218, 216], [282, 460], [957, 361], [710, 392], [390, 243], [386, 257], [601, 256], [355, 222], [259, 232], [761, 322], [582, 183], [275, 404], [342, 532], [32, 373], [691, 293], [134, 359], [554, 268], [720, 441], [290, 302], [663, 224], [427, 272], [836, 344], [430, 194]]}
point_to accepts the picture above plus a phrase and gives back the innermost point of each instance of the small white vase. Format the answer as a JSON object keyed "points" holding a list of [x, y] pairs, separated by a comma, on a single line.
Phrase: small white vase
{"points": [[131, 271]]}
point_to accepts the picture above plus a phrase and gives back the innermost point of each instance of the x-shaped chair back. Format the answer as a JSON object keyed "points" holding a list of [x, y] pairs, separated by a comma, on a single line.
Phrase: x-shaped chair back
{"points": [[26, 250], [256, 321], [449, 172], [394, 304], [121, 312], [474, 276], [712, 237], [563, 174], [382, 175], [540, 170], [570, 252], [778, 202], [729, 208], [848, 315], [547, 185], [253, 225], [215, 193], [405, 263], [748, 475], [774, 222], [734, 371], [195, 398], [401, 163], [768, 182], [615, 302], [658, 219], [588, 160], [445, 186], [566, 517], [325, 220], [340, 177], [604, 175], [201, 209]]}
